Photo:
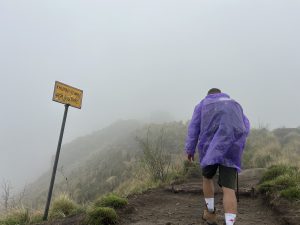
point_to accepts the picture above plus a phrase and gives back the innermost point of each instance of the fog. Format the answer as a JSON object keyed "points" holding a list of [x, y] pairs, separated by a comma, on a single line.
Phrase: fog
{"points": [[133, 58]]}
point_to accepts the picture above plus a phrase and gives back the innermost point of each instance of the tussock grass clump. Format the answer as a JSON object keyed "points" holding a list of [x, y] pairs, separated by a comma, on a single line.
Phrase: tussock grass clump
{"points": [[276, 171], [63, 206], [136, 186], [101, 216], [291, 193], [21, 216], [283, 181], [16, 216], [36, 217], [111, 200]]}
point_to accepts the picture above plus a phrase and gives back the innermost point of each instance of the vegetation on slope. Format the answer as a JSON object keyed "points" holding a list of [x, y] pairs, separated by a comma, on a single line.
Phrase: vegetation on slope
{"points": [[141, 157], [21, 216], [63, 206], [281, 181], [265, 148], [112, 201], [101, 216]]}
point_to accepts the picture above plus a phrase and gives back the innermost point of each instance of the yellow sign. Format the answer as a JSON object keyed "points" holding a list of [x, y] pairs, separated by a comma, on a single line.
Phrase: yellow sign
{"points": [[68, 95]]}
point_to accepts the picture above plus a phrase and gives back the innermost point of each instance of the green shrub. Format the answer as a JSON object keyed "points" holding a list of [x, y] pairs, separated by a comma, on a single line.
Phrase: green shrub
{"points": [[265, 187], [291, 193], [112, 201], [17, 216], [277, 170], [281, 181], [278, 183], [63, 206], [101, 216], [285, 181]]}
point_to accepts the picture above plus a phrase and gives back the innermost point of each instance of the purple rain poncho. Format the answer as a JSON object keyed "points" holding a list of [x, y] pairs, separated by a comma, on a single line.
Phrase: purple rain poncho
{"points": [[220, 127]]}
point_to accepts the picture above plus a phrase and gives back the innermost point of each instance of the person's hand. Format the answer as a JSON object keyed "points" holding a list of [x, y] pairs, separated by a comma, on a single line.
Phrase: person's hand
{"points": [[190, 158]]}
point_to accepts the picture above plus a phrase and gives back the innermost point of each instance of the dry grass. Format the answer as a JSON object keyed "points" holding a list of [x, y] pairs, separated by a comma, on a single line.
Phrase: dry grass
{"points": [[21, 216]]}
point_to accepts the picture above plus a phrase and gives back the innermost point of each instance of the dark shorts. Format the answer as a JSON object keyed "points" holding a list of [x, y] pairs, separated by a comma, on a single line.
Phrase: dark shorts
{"points": [[227, 175]]}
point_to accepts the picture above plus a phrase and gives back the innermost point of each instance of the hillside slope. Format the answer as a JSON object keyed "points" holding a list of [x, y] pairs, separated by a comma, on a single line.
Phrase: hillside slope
{"points": [[98, 163], [81, 155], [106, 160]]}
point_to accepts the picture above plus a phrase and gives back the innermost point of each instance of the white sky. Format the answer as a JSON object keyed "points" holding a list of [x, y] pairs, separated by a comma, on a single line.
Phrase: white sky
{"points": [[132, 58]]}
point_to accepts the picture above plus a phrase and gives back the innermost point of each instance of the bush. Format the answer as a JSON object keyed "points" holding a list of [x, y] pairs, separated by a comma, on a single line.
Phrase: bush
{"points": [[155, 158], [21, 216], [281, 181], [291, 193], [262, 150], [101, 216], [276, 171], [16, 216], [191, 170], [112, 201], [62, 207]]}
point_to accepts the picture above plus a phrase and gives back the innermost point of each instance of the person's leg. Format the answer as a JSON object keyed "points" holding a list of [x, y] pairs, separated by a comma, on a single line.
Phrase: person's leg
{"points": [[208, 188], [229, 200], [208, 192], [208, 173], [227, 180]]}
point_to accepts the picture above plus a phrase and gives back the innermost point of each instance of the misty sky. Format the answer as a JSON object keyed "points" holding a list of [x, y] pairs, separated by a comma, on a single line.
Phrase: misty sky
{"points": [[132, 58]]}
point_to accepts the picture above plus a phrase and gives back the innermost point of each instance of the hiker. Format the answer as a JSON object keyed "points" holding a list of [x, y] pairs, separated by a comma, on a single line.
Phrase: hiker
{"points": [[220, 128]]}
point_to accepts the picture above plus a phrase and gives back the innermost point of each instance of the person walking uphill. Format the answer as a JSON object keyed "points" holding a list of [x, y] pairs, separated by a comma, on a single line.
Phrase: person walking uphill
{"points": [[220, 129]]}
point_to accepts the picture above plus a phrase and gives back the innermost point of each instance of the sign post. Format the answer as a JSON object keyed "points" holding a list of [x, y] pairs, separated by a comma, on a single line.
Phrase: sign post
{"points": [[69, 96]]}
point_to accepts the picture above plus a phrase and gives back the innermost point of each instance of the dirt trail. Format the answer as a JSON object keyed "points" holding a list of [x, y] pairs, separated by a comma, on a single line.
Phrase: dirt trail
{"points": [[183, 205]]}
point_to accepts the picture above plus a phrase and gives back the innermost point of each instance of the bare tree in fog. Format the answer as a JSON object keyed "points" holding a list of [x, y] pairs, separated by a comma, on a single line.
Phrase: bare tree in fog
{"points": [[6, 192]]}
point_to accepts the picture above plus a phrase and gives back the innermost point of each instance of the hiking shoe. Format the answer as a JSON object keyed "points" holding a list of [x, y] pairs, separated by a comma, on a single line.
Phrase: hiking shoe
{"points": [[210, 217]]}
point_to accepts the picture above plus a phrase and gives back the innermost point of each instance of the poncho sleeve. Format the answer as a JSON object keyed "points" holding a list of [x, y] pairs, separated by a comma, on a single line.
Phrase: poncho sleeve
{"points": [[193, 131], [247, 124]]}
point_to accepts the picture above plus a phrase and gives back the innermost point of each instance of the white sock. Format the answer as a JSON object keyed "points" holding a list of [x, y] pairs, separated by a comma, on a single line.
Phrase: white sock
{"points": [[210, 203], [230, 218]]}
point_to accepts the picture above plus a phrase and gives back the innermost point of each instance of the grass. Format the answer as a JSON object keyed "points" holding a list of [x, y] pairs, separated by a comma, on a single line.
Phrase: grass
{"points": [[16, 216], [142, 181], [111, 200], [101, 216], [102, 212], [63, 206], [281, 181], [36, 217], [191, 169], [21, 216], [291, 193]]}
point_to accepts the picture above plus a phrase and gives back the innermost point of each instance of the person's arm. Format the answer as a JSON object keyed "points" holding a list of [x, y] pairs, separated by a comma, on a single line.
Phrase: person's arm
{"points": [[193, 132]]}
